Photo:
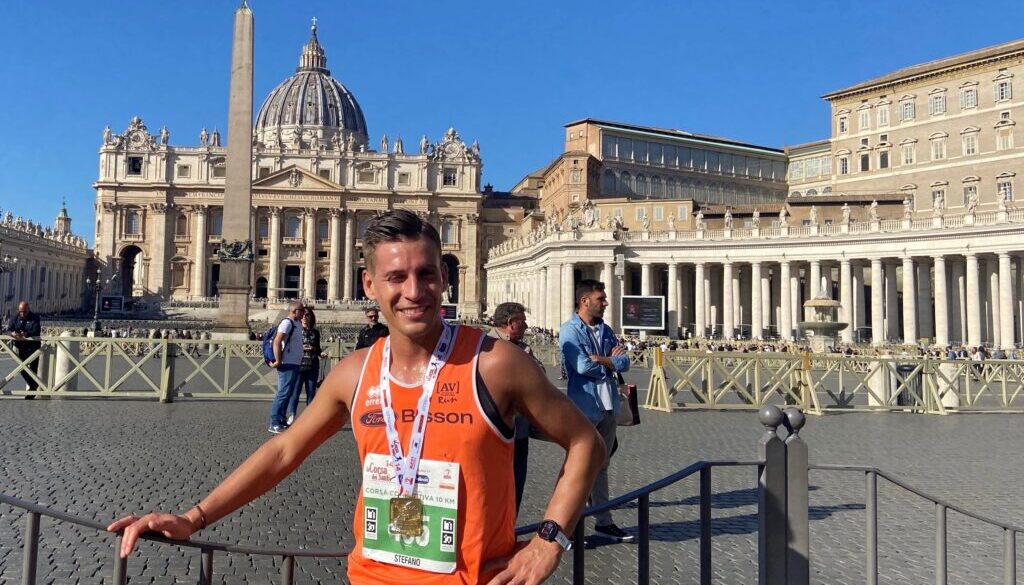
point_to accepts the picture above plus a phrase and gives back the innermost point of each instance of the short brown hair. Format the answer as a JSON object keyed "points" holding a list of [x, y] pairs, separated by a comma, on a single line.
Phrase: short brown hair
{"points": [[393, 226], [585, 287], [505, 312]]}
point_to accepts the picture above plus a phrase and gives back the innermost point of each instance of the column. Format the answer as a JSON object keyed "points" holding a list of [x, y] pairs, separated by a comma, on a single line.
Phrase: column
{"points": [[334, 258], [737, 300], [846, 299], [909, 303], [994, 327], [157, 281], [941, 304], [673, 299], [543, 302], [756, 309], [794, 299], [973, 302], [1006, 336], [699, 302], [350, 250], [728, 311], [892, 304], [645, 278], [199, 275], [814, 285], [877, 302], [608, 278], [786, 293], [274, 268], [685, 296], [958, 310], [309, 271], [766, 301], [859, 306], [568, 302], [925, 314]]}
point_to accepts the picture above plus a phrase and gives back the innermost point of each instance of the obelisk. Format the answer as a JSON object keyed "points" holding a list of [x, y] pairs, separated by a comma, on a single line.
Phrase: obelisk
{"points": [[236, 251]]}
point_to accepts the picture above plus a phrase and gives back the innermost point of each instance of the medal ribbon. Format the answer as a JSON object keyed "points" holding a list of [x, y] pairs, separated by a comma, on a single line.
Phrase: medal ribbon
{"points": [[406, 468]]}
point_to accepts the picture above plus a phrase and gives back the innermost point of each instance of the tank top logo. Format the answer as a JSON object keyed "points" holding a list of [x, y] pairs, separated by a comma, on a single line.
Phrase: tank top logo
{"points": [[372, 418], [448, 393], [375, 418]]}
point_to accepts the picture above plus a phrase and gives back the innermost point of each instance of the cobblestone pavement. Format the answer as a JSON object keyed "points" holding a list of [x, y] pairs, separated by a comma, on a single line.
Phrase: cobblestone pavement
{"points": [[98, 459]]}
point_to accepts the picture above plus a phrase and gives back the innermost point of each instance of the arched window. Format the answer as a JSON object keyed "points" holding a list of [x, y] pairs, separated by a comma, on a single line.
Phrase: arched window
{"points": [[293, 229], [608, 182], [181, 225], [449, 232], [812, 192], [641, 186], [626, 183], [657, 191], [133, 222], [826, 190]]}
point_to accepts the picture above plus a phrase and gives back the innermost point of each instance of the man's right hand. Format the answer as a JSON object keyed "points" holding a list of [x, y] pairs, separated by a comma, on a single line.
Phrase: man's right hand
{"points": [[274, 364], [618, 350], [173, 526]]}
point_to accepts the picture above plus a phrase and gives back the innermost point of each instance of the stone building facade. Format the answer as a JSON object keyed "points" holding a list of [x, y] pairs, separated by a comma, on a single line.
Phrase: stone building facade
{"points": [[907, 214], [317, 181], [44, 265]]}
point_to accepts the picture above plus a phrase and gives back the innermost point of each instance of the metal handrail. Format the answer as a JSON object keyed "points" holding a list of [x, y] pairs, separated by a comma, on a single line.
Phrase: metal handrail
{"points": [[207, 548]]}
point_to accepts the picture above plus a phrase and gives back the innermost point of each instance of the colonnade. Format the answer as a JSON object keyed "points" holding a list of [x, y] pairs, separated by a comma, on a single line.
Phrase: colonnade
{"points": [[946, 299]]}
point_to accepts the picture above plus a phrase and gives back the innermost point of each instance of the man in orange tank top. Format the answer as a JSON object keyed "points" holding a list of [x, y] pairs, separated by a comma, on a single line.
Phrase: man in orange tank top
{"points": [[416, 535]]}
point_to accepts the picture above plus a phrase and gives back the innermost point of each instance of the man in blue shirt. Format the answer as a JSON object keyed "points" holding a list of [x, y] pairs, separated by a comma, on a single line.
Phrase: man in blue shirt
{"points": [[591, 356]]}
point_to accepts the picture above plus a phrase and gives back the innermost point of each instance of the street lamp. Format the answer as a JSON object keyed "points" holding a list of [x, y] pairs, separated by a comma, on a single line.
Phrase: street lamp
{"points": [[97, 285]]}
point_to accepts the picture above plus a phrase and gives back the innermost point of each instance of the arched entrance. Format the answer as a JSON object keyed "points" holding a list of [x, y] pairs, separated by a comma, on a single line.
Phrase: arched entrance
{"points": [[131, 271], [452, 264], [321, 290], [261, 288]]}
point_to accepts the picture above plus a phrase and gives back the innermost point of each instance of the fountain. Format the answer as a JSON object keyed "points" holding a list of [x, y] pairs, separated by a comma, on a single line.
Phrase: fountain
{"points": [[822, 328]]}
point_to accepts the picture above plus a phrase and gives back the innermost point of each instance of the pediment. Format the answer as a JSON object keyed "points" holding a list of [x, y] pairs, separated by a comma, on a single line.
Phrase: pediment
{"points": [[295, 178]]}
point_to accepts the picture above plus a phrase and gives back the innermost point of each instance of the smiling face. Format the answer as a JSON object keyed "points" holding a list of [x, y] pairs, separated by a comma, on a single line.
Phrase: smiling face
{"points": [[406, 278]]}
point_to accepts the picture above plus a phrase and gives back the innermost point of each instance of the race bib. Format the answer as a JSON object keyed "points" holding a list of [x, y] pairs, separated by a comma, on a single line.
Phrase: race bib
{"points": [[437, 485]]}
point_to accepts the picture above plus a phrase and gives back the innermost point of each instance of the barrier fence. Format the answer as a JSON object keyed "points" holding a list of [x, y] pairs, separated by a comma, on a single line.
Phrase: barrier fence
{"points": [[172, 369]]}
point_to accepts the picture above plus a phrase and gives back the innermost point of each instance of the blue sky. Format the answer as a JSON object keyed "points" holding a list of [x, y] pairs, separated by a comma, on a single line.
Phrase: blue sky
{"points": [[508, 74]]}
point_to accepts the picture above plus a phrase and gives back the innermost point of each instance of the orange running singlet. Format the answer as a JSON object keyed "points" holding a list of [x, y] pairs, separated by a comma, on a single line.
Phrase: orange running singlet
{"points": [[463, 427]]}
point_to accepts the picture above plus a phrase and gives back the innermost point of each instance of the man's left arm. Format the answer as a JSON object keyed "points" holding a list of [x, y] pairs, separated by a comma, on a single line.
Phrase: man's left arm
{"points": [[518, 387], [619, 356]]}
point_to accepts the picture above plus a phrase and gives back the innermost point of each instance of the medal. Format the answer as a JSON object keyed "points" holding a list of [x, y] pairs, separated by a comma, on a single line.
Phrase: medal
{"points": [[406, 516], [406, 510]]}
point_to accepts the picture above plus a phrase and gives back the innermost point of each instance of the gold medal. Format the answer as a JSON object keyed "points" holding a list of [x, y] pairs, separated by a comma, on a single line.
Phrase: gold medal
{"points": [[406, 516]]}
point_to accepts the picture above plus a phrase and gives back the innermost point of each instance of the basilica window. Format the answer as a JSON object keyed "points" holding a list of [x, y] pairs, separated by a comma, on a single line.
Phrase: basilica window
{"points": [[937, 104], [968, 97], [938, 148], [178, 275], [366, 176], [184, 171], [844, 124], [659, 213], [641, 186], [133, 222], [363, 222], [671, 188], [134, 166], [970, 192], [322, 229], [657, 190], [449, 232], [263, 172], [216, 223], [909, 153], [864, 123], [844, 165], [641, 213], [626, 183], [181, 225], [1003, 90], [324, 174], [883, 159], [293, 227], [865, 162], [450, 177], [907, 110], [219, 171], [883, 115], [264, 227], [404, 179]]}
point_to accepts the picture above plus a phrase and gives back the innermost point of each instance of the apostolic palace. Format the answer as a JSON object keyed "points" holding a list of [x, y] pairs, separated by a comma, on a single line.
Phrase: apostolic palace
{"points": [[907, 213]]}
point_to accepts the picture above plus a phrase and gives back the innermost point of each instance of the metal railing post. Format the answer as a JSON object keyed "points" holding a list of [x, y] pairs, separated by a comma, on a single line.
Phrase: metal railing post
{"points": [[798, 563], [31, 557], [941, 572], [166, 371], [288, 571], [578, 554], [206, 567], [120, 564], [1009, 557], [644, 546], [771, 502], [871, 509], [705, 526]]}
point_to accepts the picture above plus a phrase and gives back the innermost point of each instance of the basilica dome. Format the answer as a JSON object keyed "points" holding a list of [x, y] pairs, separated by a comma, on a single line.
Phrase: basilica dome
{"points": [[310, 109]]}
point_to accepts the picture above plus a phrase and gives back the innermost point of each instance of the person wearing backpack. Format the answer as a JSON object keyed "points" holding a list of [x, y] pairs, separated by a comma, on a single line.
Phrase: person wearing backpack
{"points": [[287, 348]]}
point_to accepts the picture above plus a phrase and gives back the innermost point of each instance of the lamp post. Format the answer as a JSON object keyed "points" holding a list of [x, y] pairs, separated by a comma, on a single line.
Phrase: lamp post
{"points": [[97, 285]]}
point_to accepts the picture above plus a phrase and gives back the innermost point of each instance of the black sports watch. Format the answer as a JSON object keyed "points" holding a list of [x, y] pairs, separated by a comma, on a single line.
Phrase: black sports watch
{"points": [[550, 531]]}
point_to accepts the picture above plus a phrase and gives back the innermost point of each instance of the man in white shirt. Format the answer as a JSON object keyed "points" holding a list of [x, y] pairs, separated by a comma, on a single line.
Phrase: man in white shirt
{"points": [[287, 357]]}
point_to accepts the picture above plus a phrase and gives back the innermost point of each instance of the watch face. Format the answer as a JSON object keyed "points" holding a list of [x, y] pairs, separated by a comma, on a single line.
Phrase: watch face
{"points": [[548, 530]]}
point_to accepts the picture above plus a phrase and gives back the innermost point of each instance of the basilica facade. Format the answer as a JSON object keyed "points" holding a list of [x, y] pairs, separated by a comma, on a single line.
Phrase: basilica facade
{"points": [[317, 181]]}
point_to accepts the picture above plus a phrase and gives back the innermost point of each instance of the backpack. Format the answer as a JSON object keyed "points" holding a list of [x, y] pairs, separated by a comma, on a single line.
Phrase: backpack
{"points": [[268, 342]]}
